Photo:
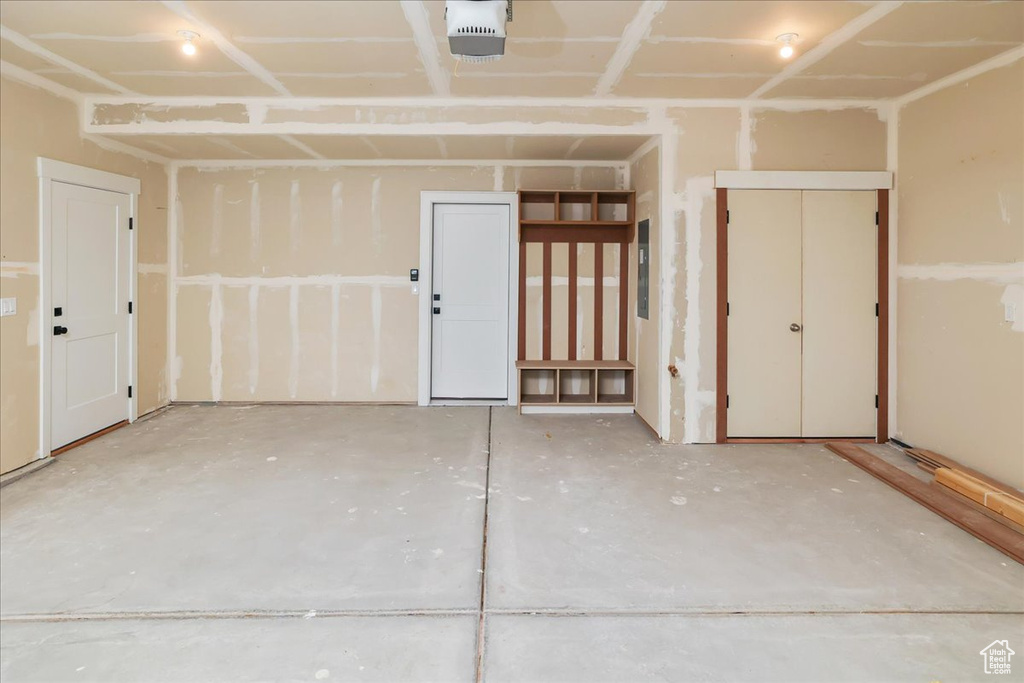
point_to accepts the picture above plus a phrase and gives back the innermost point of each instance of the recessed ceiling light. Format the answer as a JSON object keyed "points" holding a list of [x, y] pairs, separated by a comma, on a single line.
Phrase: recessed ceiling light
{"points": [[189, 46], [787, 40]]}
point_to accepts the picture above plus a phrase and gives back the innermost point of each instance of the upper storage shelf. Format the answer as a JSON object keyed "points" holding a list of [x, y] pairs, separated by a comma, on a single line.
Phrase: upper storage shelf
{"points": [[611, 211]]}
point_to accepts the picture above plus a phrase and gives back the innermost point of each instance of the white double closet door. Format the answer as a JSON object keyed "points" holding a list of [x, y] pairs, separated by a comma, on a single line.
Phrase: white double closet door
{"points": [[802, 313]]}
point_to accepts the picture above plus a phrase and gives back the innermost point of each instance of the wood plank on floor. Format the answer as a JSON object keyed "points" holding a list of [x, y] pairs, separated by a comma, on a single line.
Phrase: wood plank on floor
{"points": [[997, 535]]}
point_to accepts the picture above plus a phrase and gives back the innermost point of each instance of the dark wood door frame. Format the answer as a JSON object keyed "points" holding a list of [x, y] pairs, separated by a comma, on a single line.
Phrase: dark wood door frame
{"points": [[722, 316]]}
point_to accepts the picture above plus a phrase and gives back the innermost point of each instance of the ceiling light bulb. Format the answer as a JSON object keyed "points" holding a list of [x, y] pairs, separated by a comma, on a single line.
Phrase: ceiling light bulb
{"points": [[787, 40], [188, 47]]}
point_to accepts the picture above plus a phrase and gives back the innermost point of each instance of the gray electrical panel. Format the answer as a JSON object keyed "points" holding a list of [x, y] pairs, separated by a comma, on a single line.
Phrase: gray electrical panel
{"points": [[643, 270]]}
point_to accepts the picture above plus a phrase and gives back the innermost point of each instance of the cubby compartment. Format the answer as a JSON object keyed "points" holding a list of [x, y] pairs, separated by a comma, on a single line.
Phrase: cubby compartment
{"points": [[576, 385], [576, 206], [538, 385], [575, 382], [615, 385]]}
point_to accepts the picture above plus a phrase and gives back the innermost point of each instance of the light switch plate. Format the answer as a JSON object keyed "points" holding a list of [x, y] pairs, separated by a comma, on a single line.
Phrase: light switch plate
{"points": [[8, 307]]}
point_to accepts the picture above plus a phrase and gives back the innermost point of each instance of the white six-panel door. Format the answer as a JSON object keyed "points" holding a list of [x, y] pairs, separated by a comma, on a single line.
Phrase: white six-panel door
{"points": [[470, 300], [802, 326], [89, 271]]}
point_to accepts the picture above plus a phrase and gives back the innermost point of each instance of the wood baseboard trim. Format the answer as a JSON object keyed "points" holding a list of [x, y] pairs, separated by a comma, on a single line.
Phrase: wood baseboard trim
{"points": [[767, 440], [87, 439], [997, 535]]}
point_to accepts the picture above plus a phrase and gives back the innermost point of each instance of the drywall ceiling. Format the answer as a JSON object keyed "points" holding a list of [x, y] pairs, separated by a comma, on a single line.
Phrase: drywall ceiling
{"points": [[563, 48], [444, 147]]}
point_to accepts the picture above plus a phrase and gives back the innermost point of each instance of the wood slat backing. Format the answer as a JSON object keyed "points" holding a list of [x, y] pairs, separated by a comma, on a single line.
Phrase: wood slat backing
{"points": [[546, 327], [522, 301], [882, 414], [997, 535], [598, 301], [571, 322], [722, 314], [623, 301]]}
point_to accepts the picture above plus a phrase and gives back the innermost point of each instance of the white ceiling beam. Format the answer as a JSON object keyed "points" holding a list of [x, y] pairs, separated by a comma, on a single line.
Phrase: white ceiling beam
{"points": [[302, 147], [828, 44], [419, 21], [1000, 60], [40, 51], [634, 103], [33, 79], [636, 32], [240, 58]]}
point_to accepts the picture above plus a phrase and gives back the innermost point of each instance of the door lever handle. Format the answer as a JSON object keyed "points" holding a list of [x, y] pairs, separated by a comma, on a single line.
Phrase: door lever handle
{"points": [[795, 328], [58, 330]]}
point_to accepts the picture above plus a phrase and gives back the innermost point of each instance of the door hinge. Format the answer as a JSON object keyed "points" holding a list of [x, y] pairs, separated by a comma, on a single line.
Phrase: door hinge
{"points": [[727, 216], [131, 223], [876, 310], [727, 309], [129, 391], [876, 218], [876, 400], [129, 308], [727, 400]]}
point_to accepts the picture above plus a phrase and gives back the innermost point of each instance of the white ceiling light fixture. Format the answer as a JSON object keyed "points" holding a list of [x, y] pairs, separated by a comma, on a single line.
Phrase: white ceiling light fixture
{"points": [[476, 28], [189, 46], [787, 40]]}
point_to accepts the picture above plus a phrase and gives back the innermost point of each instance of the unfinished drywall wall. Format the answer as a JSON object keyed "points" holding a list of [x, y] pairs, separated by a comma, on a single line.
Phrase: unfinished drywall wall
{"points": [[960, 225], [707, 140], [35, 123], [645, 335], [292, 283]]}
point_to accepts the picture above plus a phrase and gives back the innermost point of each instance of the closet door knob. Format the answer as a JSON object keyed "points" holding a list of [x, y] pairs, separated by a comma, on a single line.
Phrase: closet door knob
{"points": [[795, 327]]}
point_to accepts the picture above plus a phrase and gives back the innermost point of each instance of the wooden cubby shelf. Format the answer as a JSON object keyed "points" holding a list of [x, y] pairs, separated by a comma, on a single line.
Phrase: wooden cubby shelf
{"points": [[549, 209], [576, 382], [605, 219]]}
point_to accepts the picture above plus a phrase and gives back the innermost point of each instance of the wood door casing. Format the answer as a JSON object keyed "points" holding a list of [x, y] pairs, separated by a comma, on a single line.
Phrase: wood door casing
{"points": [[725, 333]]}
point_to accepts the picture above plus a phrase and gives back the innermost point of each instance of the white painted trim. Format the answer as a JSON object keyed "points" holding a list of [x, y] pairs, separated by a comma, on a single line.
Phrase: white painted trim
{"points": [[419, 22], [50, 171], [242, 59], [72, 174], [427, 201], [576, 409], [804, 180], [632, 38], [828, 44], [999, 61], [40, 51]]}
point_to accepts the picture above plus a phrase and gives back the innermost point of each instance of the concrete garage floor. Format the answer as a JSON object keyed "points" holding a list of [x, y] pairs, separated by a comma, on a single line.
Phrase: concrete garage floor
{"points": [[346, 543]]}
